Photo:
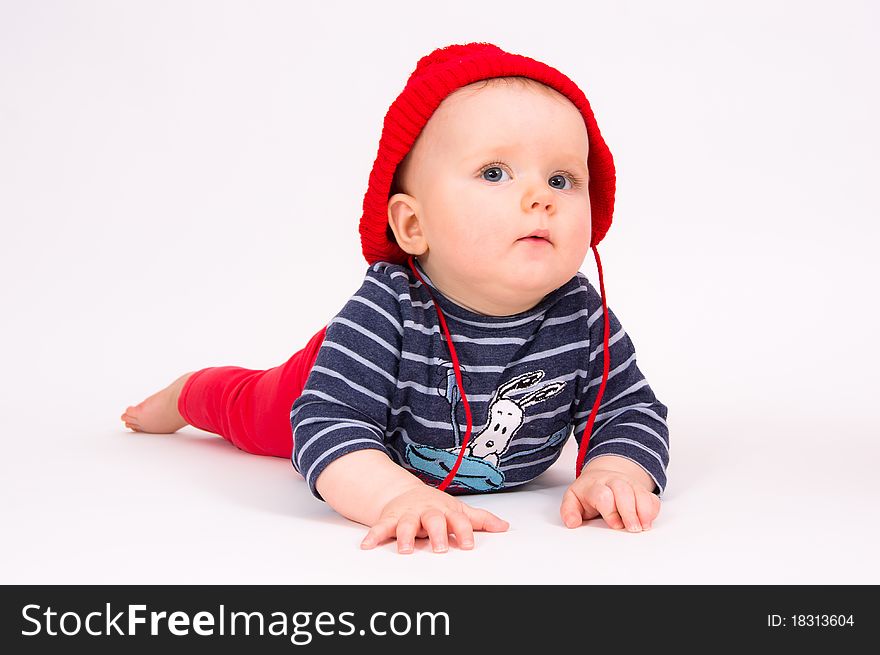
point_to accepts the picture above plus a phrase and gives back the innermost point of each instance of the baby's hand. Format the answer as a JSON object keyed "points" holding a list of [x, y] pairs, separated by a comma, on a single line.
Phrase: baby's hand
{"points": [[618, 489], [426, 511]]}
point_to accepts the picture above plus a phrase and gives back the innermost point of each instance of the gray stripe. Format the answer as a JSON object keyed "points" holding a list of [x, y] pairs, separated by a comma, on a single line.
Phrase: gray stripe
{"points": [[321, 433], [435, 329], [406, 277], [406, 438], [580, 289], [353, 385], [564, 319], [563, 409], [508, 324], [548, 353], [614, 412], [366, 362], [312, 392], [614, 339], [613, 372], [490, 341], [320, 419], [332, 450], [528, 441], [394, 294], [637, 444], [626, 392], [534, 357], [632, 442], [554, 455], [642, 408], [434, 425], [402, 296], [432, 391], [375, 307], [649, 431], [421, 359], [367, 333]]}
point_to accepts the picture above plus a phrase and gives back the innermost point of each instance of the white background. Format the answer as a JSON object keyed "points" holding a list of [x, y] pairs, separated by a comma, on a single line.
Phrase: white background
{"points": [[180, 187]]}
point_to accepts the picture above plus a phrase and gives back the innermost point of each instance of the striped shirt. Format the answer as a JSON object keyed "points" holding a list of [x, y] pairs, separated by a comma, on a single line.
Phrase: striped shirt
{"points": [[383, 379]]}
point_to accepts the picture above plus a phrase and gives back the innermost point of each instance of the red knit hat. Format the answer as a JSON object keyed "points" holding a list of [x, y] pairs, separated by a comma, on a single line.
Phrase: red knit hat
{"points": [[435, 77]]}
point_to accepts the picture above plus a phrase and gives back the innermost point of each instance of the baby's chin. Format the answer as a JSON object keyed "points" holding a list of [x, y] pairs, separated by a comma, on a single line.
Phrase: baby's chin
{"points": [[513, 281], [531, 286], [539, 276], [538, 288]]}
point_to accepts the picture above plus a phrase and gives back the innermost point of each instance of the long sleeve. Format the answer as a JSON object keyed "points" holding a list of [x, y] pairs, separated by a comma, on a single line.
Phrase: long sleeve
{"points": [[346, 400], [631, 421]]}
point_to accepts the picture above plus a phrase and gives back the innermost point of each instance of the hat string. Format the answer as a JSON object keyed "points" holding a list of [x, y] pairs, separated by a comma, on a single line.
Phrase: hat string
{"points": [[588, 429], [457, 369]]}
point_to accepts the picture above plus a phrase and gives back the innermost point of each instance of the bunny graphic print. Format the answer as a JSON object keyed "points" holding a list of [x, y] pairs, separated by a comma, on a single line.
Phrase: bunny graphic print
{"points": [[383, 379], [480, 469]]}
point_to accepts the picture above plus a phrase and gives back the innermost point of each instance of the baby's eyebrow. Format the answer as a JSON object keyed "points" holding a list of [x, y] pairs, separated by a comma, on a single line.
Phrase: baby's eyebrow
{"points": [[581, 166], [500, 150]]}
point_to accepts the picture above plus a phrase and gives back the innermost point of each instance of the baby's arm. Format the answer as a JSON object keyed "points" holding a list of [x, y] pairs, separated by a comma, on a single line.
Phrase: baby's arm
{"points": [[624, 471], [367, 487], [340, 420]]}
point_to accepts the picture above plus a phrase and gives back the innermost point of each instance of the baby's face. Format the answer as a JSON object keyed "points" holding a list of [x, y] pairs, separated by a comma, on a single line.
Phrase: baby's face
{"points": [[492, 167]]}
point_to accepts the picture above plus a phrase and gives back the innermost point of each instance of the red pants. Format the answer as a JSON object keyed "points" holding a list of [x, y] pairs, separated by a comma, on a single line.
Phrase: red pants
{"points": [[249, 408]]}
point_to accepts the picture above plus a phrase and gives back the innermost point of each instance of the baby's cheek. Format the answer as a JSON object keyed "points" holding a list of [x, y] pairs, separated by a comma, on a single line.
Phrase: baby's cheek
{"points": [[474, 232], [473, 246]]}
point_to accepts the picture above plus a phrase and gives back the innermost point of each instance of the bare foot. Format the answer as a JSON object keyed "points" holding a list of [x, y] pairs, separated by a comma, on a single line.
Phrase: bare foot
{"points": [[158, 413]]}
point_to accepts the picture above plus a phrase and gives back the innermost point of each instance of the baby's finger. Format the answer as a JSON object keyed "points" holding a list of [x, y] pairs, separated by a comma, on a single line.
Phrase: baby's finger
{"points": [[383, 530], [435, 523], [648, 506], [484, 520], [625, 499], [461, 526], [407, 526], [601, 497], [572, 510]]}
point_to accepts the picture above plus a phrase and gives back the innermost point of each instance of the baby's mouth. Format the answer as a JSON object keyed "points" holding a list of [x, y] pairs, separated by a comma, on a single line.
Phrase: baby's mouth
{"points": [[537, 236]]}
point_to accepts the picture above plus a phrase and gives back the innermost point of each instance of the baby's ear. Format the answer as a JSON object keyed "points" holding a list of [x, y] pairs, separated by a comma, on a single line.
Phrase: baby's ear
{"points": [[403, 219]]}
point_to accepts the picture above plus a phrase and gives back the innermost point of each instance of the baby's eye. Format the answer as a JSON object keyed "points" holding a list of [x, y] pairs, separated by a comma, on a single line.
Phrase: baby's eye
{"points": [[495, 171], [563, 178]]}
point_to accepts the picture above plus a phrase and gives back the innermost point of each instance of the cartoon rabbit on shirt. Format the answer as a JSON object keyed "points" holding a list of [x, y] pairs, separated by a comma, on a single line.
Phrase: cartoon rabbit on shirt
{"points": [[485, 450]]}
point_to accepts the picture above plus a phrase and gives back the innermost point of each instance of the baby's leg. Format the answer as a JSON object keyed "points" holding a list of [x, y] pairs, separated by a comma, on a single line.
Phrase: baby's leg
{"points": [[249, 408], [158, 413]]}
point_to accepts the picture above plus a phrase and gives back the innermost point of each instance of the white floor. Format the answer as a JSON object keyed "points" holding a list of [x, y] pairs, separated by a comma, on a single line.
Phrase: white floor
{"points": [[89, 502], [180, 187]]}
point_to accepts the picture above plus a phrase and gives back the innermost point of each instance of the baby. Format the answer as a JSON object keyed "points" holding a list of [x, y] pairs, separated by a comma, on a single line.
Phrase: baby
{"points": [[474, 346]]}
